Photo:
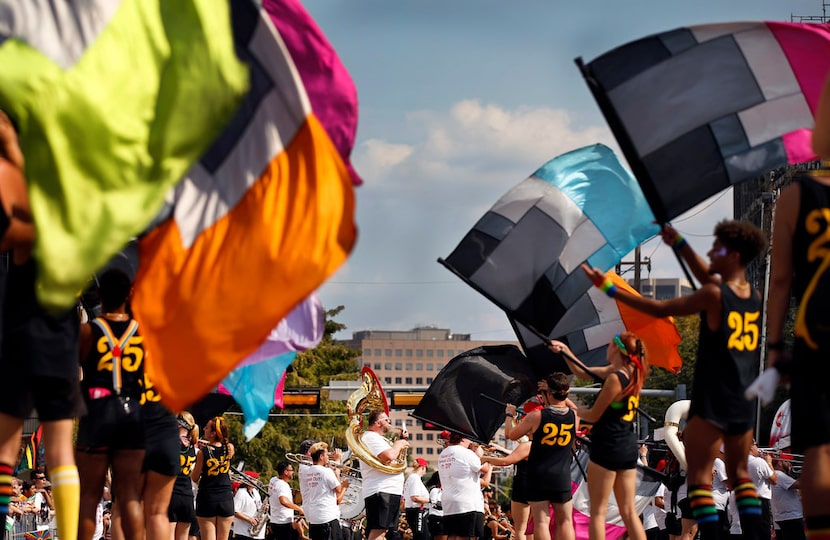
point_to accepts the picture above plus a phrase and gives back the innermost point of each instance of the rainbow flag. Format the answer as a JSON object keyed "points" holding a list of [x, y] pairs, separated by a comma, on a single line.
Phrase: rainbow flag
{"points": [[264, 217], [32, 451]]}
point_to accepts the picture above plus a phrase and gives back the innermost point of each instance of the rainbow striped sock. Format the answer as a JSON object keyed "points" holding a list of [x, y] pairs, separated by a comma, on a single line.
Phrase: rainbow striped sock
{"points": [[749, 507], [703, 510], [6, 472]]}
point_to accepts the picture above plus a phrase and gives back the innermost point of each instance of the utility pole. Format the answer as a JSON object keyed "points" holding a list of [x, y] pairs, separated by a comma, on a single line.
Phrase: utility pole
{"points": [[638, 263]]}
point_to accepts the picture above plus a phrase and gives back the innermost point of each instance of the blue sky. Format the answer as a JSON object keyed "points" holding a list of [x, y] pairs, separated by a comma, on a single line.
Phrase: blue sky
{"points": [[459, 101]]}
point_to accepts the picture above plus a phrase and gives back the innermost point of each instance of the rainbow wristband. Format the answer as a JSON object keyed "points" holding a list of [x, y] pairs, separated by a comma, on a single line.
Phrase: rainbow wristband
{"points": [[679, 243], [607, 286]]}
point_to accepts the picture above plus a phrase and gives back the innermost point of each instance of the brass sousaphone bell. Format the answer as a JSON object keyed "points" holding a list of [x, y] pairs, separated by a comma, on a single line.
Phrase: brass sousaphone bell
{"points": [[370, 396]]}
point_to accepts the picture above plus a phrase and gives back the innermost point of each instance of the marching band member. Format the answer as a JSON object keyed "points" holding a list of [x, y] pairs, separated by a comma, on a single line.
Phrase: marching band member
{"points": [[214, 501], [282, 504], [382, 491], [182, 512], [322, 493]]}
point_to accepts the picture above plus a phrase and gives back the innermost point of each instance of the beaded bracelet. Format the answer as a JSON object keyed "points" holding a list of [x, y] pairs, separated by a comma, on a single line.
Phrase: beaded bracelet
{"points": [[679, 243]]}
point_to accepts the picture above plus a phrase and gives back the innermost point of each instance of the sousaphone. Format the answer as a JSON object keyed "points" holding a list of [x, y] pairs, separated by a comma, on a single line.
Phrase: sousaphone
{"points": [[369, 395]]}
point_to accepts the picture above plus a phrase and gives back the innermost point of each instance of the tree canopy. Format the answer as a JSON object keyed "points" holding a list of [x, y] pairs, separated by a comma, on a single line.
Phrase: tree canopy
{"points": [[286, 429]]}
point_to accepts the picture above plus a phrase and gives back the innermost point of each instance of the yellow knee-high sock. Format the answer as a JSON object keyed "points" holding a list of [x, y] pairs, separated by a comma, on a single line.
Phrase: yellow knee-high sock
{"points": [[66, 493]]}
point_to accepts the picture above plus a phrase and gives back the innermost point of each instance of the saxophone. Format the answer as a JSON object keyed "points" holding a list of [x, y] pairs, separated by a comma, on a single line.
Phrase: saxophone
{"points": [[262, 519], [262, 515]]}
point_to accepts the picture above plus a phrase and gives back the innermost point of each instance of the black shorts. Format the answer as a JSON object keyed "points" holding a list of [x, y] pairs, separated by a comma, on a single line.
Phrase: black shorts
{"points": [[469, 524], [810, 404], [326, 531], [728, 427], [181, 509], [614, 461], [161, 441], [53, 398], [436, 525], [100, 431], [382, 511], [520, 489], [214, 505], [281, 531], [540, 493]]}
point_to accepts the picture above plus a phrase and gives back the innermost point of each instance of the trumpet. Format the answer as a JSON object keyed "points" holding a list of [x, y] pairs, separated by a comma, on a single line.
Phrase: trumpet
{"points": [[302, 459]]}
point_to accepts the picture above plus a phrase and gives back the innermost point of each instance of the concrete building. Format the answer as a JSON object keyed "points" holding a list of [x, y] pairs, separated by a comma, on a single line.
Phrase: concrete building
{"points": [[664, 288], [408, 361]]}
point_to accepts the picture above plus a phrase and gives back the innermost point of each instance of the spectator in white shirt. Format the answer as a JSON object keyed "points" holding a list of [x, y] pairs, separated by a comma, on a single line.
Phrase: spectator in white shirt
{"points": [[786, 503]]}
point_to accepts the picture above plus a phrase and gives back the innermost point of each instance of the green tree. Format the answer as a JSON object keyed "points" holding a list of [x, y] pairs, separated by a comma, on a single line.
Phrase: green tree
{"points": [[285, 430]]}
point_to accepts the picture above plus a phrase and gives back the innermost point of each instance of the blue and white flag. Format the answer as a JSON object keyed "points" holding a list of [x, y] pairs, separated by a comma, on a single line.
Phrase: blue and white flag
{"points": [[525, 253]]}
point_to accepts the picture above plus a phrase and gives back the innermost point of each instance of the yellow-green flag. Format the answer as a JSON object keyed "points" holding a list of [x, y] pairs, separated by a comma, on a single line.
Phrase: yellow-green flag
{"points": [[114, 100]]}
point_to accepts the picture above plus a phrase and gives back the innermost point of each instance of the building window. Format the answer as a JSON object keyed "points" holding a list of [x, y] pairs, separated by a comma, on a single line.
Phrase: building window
{"points": [[430, 451], [419, 380], [399, 366], [387, 380], [429, 367], [419, 367], [377, 352], [439, 367], [430, 437], [387, 366], [419, 450], [367, 352], [387, 352], [409, 367], [419, 353], [419, 436], [397, 380], [429, 353], [439, 353], [429, 380], [409, 380], [377, 366], [409, 352], [398, 352]]}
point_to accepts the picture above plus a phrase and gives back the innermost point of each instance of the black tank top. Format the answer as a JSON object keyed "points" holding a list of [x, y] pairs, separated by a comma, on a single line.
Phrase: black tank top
{"points": [[187, 458], [549, 462], [727, 360], [613, 431], [811, 279], [97, 365], [214, 477]]}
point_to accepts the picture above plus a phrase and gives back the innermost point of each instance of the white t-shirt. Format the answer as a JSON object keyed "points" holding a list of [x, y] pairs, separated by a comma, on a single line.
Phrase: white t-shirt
{"points": [[39, 501], [436, 507], [459, 468], [734, 517], [317, 485], [414, 486], [660, 513], [374, 480], [246, 502], [786, 504], [720, 491], [759, 473], [277, 488]]}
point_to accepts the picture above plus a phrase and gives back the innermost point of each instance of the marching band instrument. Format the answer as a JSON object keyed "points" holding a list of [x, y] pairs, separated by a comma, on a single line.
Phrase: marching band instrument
{"points": [[352, 504], [369, 395], [261, 517], [302, 459], [676, 412]]}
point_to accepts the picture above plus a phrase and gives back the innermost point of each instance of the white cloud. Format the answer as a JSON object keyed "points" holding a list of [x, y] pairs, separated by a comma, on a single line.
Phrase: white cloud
{"points": [[425, 187]]}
